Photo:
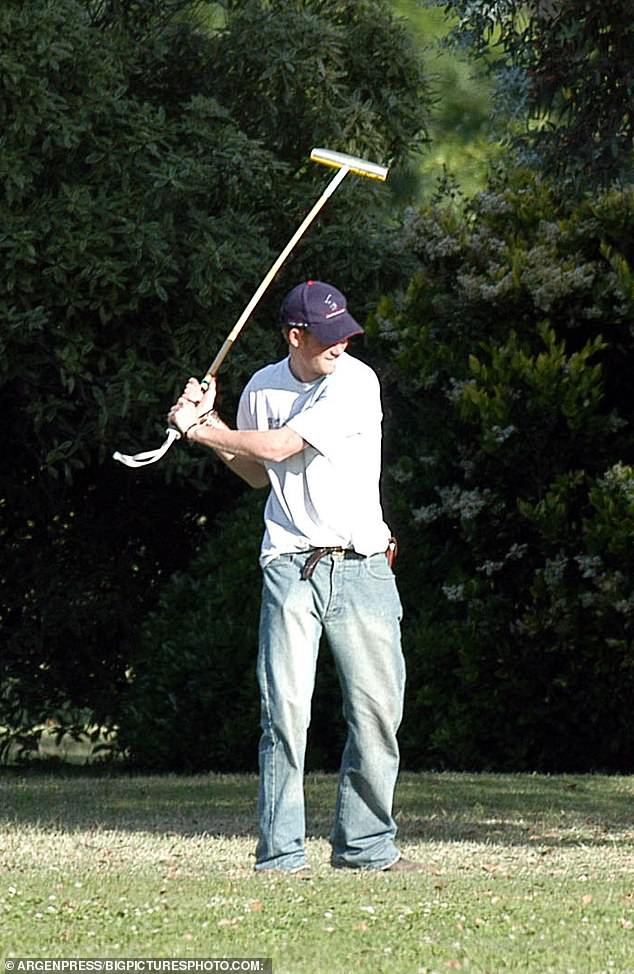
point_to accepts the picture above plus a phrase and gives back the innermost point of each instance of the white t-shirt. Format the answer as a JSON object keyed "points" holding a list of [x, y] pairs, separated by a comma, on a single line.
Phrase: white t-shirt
{"points": [[328, 494]]}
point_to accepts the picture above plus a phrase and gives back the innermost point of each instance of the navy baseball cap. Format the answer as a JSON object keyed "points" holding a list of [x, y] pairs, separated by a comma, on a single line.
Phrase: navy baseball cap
{"points": [[322, 308]]}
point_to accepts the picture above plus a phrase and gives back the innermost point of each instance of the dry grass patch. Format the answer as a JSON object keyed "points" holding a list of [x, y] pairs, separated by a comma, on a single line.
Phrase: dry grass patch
{"points": [[525, 873]]}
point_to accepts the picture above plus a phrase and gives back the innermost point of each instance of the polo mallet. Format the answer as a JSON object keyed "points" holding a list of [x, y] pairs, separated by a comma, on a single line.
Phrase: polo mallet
{"points": [[336, 160]]}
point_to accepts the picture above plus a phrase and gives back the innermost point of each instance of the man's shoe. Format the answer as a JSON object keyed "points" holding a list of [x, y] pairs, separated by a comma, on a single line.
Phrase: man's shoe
{"points": [[404, 866], [399, 866]]}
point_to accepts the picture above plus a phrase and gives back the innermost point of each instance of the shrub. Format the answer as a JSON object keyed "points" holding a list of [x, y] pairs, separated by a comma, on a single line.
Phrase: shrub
{"points": [[141, 201], [511, 431]]}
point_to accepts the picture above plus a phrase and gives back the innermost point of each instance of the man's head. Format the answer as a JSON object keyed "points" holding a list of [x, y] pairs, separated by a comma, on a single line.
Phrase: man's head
{"points": [[317, 324], [322, 309]]}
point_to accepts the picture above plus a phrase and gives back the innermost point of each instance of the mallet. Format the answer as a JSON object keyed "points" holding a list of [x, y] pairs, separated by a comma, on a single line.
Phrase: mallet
{"points": [[336, 160]]}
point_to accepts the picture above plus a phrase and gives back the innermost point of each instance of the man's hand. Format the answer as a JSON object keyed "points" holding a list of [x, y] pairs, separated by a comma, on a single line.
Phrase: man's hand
{"points": [[192, 404], [204, 401], [183, 415]]}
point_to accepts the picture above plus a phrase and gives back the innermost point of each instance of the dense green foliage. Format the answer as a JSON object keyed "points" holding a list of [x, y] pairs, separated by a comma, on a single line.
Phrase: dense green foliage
{"points": [[461, 144], [193, 668], [566, 75], [154, 161], [512, 481], [144, 195]]}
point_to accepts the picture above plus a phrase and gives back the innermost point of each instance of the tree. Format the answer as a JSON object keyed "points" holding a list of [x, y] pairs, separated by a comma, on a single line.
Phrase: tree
{"points": [[137, 214], [511, 481], [340, 81], [106, 234], [568, 67], [139, 18]]}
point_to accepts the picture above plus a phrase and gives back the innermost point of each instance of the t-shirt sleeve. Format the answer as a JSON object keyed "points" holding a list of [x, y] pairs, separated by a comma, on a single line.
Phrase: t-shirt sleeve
{"points": [[337, 415]]}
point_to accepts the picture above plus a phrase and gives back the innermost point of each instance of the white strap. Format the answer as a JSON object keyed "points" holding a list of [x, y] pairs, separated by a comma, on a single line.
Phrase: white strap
{"points": [[149, 456]]}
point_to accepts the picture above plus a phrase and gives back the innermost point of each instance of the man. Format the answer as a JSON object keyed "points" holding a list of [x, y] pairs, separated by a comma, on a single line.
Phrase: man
{"points": [[309, 427]]}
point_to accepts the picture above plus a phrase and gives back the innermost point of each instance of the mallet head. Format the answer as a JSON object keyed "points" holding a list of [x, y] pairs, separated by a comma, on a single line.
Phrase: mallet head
{"points": [[361, 167]]}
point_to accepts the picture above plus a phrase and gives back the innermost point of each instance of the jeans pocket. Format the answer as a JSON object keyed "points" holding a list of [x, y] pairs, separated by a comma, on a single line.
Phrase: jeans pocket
{"points": [[378, 567]]}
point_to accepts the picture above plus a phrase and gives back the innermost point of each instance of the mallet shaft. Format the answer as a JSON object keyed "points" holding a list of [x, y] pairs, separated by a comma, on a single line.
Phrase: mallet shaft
{"points": [[244, 317]]}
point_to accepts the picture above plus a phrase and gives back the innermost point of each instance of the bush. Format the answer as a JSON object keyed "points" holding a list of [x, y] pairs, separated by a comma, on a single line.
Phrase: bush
{"points": [[137, 215], [192, 703], [511, 430]]}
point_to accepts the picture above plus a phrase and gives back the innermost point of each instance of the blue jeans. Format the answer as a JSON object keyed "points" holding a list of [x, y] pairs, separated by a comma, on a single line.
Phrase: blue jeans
{"points": [[354, 601]]}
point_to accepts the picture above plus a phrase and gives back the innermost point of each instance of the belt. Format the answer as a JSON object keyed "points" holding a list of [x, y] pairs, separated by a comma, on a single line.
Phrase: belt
{"points": [[318, 553]]}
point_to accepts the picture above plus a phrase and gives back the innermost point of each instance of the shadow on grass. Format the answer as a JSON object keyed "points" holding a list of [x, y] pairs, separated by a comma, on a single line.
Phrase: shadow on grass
{"points": [[512, 810]]}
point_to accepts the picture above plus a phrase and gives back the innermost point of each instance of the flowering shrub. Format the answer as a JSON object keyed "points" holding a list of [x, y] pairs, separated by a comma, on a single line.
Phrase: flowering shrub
{"points": [[510, 417]]}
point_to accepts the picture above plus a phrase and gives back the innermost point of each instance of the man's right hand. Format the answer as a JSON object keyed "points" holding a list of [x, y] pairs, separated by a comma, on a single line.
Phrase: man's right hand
{"points": [[194, 393]]}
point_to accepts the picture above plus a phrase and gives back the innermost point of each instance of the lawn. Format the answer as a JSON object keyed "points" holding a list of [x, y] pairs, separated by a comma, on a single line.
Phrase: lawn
{"points": [[524, 873]]}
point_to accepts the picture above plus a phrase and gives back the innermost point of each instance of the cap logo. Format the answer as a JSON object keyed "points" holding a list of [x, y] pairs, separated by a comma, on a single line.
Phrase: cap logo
{"points": [[334, 307]]}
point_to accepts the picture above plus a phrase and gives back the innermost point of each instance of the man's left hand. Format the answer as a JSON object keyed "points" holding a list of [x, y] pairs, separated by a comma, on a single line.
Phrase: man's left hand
{"points": [[183, 414]]}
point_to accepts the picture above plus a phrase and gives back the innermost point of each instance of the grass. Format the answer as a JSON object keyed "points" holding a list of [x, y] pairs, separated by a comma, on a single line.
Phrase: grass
{"points": [[524, 873]]}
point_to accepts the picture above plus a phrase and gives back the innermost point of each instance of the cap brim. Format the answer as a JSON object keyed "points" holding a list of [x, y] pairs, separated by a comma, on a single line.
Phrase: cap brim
{"points": [[336, 330]]}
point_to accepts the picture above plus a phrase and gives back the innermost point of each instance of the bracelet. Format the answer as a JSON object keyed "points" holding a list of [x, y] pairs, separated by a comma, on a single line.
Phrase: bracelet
{"points": [[185, 432]]}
